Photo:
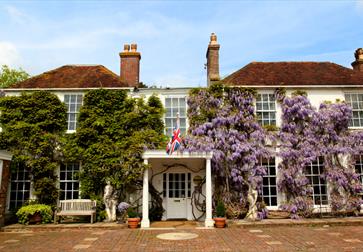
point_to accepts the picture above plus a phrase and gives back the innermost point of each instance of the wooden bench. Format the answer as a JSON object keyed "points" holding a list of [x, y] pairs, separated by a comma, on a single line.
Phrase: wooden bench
{"points": [[76, 207]]}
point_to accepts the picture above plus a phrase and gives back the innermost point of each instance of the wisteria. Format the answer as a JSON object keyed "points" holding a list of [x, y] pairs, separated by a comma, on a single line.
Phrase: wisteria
{"points": [[297, 149], [337, 145], [223, 121], [305, 136]]}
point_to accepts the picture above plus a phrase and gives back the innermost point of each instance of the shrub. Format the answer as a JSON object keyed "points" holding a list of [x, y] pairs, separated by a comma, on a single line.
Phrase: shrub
{"points": [[26, 212], [131, 213], [220, 209]]}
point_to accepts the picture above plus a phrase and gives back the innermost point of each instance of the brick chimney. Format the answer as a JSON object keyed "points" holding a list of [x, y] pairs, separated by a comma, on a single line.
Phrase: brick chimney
{"points": [[213, 60], [130, 65], [358, 63]]}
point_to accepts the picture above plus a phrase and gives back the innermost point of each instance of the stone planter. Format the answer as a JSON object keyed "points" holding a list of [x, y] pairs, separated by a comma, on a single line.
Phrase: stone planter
{"points": [[133, 222], [219, 222]]}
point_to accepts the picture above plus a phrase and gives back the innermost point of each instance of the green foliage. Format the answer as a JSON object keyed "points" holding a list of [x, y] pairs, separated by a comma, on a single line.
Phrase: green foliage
{"points": [[271, 127], [156, 213], [131, 213], [280, 94], [299, 93], [114, 130], [101, 215], [32, 128], [10, 76], [220, 209], [26, 212]]}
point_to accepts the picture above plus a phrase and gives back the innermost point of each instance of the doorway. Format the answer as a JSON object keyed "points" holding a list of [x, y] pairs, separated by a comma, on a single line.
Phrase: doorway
{"points": [[176, 191]]}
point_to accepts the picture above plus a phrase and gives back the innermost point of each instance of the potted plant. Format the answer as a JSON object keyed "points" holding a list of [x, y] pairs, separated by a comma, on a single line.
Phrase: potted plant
{"points": [[133, 219], [220, 219], [35, 214]]}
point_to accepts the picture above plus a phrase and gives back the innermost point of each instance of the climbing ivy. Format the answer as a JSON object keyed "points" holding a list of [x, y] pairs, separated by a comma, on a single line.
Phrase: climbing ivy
{"points": [[114, 130], [32, 128]]}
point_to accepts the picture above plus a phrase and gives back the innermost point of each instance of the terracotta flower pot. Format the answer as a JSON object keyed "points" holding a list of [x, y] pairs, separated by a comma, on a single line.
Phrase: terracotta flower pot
{"points": [[35, 218], [133, 222], [220, 222]]}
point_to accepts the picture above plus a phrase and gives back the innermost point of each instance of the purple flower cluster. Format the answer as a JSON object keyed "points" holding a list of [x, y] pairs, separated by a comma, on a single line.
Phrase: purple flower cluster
{"points": [[122, 207], [226, 125]]}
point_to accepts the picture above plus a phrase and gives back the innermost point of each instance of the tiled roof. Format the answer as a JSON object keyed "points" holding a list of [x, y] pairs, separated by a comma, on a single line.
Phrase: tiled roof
{"points": [[74, 76], [294, 74]]}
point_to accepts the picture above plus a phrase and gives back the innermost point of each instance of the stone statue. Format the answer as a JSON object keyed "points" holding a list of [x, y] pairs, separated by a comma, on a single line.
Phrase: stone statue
{"points": [[252, 199], [110, 200]]}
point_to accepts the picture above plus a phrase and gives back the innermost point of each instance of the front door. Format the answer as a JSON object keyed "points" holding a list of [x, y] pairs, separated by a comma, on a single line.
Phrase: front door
{"points": [[177, 190]]}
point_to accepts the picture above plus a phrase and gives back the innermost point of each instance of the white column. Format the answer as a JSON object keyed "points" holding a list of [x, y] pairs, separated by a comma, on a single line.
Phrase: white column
{"points": [[208, 194], [145, 222]]}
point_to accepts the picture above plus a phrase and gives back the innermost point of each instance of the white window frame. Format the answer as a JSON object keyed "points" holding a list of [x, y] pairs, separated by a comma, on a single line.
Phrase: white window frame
{"points": [[268, 165], [319, 163], [259, 111], [359, 109], [76, 112], [17, 180], [69, 181], [358, 167], [174, 117]]}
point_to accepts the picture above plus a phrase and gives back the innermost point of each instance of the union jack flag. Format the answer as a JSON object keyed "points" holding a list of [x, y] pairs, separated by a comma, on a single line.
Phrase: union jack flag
{"points": [[175, 140]]}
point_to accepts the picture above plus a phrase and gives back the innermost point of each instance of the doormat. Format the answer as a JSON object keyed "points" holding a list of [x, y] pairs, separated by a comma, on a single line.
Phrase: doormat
{"points": [[177, 236]]}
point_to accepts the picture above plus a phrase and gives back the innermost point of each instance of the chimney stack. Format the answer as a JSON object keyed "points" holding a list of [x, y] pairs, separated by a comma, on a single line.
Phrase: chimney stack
{"points": [[213, 60], [358, 63], [130, 65]]}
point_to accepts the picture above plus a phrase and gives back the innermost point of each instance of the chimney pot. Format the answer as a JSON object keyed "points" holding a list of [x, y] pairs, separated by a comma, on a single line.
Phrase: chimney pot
{"points": [[358, 63], [133, 47], [213, 39], [126, 47]]}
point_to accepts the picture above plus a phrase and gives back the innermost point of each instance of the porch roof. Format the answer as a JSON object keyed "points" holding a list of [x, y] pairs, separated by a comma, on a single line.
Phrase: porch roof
{"points": [[178, 154]]}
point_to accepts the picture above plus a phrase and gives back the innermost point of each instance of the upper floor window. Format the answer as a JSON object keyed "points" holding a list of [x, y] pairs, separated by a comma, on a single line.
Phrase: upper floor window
{"points": [[269, 188], [356, 102], [68, 181], [314, 173], [173, 106], [73, 103], [266, 109], [19, 186]]}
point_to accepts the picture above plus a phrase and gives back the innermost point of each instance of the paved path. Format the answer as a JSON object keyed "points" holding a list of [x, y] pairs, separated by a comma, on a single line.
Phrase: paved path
{"points": [[296, 238]]}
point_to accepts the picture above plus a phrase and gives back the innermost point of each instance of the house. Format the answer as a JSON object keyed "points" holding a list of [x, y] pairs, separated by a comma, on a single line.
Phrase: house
{"points": [[178, 176]]}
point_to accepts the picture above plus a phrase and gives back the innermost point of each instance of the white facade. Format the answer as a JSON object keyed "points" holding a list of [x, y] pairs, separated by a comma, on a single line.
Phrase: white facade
{"points": [[182, 205]]}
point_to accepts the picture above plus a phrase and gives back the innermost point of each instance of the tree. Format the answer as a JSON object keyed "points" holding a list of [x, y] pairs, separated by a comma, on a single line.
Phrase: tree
{"points": [[10, 76], [32, 127], [222, 120], [114, 130]]}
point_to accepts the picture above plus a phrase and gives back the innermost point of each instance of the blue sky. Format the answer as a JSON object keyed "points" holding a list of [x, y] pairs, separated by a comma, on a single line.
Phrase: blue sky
{"points": [[172, 36]]}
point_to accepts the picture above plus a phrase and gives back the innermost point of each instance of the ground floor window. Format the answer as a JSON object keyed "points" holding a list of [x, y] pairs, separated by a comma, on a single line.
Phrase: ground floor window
{"points": [[68, 181], [177, 185], [269, 189], [19, 186], [359, 168], [314, 173]]}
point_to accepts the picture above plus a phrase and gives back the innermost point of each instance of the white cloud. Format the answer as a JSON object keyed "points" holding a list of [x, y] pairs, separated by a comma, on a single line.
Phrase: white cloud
{"points": [[17, 15], [9, 55], [359, 5]]}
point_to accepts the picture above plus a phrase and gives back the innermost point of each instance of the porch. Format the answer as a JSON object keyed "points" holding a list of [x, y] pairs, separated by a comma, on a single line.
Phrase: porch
{"points": [[179, 177]]}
